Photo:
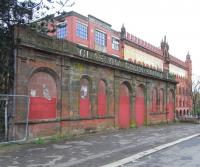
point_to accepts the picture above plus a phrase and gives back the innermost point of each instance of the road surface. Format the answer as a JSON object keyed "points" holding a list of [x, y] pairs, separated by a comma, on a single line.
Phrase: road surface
{"points": [[185, 154], [95, 150]]}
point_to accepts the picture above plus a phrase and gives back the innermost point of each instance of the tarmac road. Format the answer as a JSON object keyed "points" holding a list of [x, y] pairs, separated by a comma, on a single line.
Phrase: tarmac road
{"points": [[96, 150], [186, 154]]}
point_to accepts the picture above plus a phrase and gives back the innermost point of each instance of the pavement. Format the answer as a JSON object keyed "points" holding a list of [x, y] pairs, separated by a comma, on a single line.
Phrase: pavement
{"points": [[96, 150]]}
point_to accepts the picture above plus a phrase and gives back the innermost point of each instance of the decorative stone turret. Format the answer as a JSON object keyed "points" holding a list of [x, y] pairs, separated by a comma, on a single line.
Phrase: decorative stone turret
{"points": [[188, 57], [123, 31], [165, 49], [188, 61]]}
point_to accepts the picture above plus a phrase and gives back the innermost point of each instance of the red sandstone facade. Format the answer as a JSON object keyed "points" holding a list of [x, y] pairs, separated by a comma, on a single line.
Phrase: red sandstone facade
{"points": [[115, 43], [96, 78], [74, 89]]}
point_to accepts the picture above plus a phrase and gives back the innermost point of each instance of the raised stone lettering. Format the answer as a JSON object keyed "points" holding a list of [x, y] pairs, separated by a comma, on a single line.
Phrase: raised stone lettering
{"points": [[120, 63]]}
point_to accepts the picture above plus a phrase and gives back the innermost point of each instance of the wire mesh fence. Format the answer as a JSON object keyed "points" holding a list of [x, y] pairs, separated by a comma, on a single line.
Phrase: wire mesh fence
{"points": [[14, 111]]}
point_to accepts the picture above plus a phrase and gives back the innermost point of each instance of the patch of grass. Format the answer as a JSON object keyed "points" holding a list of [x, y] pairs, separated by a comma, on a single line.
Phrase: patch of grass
{"points": [[57, 138], [39, 141], [161, 123], [133, 125]]}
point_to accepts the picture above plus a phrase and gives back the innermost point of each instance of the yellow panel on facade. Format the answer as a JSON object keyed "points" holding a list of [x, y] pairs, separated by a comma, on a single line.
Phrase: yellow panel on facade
{"points": [[139, 56], [177, 70]]}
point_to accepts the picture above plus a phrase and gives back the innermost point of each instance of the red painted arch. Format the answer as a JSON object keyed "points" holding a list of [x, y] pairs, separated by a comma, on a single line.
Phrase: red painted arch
{"points": [[140, 106], [43, 96], [102, 99], [124, 107], [84, 103]]}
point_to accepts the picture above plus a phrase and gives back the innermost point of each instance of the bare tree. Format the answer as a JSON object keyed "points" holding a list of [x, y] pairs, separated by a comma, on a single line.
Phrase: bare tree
{"points": [[195, 95], [23, 12]]}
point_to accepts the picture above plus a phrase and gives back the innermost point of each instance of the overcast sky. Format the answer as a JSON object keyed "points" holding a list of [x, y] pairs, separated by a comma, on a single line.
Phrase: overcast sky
{"points": [[150, 20]]}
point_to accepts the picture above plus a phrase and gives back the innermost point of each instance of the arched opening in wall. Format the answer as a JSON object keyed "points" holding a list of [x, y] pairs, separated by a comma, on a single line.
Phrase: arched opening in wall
{"points": [[183, 91], [170, 106], [187, 112], [180, 112], [102, 99], [177, 114], [161, 100], [154, 100], [84, 102], [124, 106], [184, 112], [43, 96], [140, 105], [180, 103]]}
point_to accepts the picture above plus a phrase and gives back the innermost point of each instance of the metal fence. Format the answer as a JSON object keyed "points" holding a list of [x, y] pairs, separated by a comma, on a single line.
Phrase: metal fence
{"points": [[14, 113]]}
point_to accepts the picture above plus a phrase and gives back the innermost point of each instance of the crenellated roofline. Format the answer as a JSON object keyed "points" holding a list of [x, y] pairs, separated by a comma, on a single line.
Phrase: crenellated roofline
{"points": [[156, 50]]}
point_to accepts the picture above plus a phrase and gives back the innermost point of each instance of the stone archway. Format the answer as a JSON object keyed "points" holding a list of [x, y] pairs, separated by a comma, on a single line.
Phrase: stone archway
{"points": [[102, 98], [140, 106], [170, 106], [42, 90], [180, 112], [84, 101], [124, 106], [161, 100], [154, 100], [177, 114]]}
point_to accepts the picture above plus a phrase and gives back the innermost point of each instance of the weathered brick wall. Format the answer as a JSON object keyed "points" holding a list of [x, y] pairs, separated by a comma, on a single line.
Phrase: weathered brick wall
{"points": [[67, 64]]}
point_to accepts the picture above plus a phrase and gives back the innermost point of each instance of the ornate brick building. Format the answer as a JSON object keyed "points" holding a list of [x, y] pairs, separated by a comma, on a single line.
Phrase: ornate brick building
{"points": [[96, 34], [96, 78]]}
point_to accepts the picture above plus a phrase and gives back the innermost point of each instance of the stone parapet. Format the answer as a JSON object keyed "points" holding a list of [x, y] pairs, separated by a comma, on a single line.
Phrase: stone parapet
{"points": [[28, 38]]}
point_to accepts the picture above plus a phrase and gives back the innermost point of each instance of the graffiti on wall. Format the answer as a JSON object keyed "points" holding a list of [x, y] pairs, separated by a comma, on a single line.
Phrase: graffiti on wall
{"points": [[83, 91]]}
